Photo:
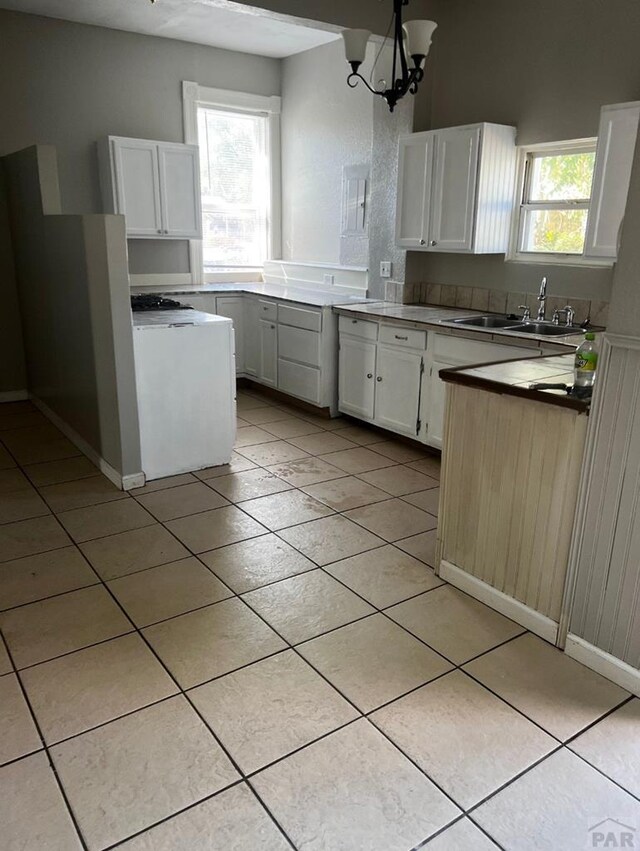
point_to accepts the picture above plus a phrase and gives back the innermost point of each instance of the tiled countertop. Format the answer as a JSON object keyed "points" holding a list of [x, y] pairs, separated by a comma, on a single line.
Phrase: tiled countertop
{"points": [[300, 295], [515, 377], [440, 318]]}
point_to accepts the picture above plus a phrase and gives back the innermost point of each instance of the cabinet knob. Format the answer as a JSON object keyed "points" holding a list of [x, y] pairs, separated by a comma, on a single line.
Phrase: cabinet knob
{"points": [[166, 231], [159, 231], [433, 242], [422, 242], [379, 378], [369, 375], [273, 326]]}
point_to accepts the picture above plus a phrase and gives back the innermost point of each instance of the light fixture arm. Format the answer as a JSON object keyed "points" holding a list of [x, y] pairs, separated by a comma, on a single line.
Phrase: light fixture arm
{"points": [[414, 37]]}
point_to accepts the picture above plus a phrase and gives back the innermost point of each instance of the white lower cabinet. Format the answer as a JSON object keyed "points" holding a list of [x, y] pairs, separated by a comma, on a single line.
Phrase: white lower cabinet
{"points": [[381, 381], [251, 341], [268, 352], [356, 377], [389, 374], [398, 389]]}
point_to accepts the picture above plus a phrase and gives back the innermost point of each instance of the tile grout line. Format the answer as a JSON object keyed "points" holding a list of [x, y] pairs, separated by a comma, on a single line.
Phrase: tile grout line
{"points": [[45, 748], [362, 715], [180, 691]]}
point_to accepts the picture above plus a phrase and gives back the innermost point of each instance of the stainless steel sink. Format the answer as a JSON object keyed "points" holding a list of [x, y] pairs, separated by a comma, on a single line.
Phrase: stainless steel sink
{"points": [[546, 329], [491, 320]]}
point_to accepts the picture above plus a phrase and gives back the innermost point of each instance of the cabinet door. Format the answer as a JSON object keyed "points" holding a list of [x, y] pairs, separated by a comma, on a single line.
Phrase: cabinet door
{"points": [[436, 405], [453, 200], [137, 186], [414, 189], [251, 337], [233, 308], [398, 379], [180, 191], [356, 374], [614, 156], [268, 368]]}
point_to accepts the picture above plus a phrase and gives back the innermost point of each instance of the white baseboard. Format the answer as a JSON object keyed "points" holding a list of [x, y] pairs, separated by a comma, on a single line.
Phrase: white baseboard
{"points": [[507, 606], [603, 663], [14, 396], [125, 483]]}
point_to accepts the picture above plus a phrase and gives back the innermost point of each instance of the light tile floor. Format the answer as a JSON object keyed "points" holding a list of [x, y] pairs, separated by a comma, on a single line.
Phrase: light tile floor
{"points": [[260, 656]]}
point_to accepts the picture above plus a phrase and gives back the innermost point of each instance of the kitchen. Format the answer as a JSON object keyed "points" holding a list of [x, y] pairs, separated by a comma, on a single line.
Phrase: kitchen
{"points": [[388, 258]]}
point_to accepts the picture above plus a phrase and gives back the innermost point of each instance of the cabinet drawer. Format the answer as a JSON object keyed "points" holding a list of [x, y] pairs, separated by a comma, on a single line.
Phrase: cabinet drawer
{"points": [[409, 338], [358, 328], [460, 351], [299, 344], [300, 317], [298, 380], [268, 310]]}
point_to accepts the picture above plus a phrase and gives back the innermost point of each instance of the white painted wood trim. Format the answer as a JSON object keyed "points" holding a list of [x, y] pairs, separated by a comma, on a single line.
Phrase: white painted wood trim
{"points": [[603, 663], [507, 606], [14, 396], [194, 95], [134, 480]]}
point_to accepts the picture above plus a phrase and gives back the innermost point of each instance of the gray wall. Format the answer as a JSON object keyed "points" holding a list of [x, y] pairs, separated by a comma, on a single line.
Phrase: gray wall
{"points": [[70, 84], [13, 376], [325, 126], [73, 288], [546, 68]]}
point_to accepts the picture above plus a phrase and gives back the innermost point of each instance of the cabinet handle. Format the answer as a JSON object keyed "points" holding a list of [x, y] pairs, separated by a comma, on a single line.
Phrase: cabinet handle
{"points": [[265, 307], [379, 378], [398, 337], [422, 242], [433, 242], [354, 321], [369, 375]]}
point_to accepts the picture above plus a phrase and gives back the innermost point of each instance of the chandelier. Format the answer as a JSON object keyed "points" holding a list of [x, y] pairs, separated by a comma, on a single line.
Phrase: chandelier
{"points": [[411, 39]]}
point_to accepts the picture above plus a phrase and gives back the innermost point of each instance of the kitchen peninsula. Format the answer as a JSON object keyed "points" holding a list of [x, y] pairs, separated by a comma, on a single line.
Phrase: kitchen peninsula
{"points": [[512, 459]]}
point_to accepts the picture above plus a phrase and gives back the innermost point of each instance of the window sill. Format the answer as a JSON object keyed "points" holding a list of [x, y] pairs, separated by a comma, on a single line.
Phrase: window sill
{"points": [[562, 260]]}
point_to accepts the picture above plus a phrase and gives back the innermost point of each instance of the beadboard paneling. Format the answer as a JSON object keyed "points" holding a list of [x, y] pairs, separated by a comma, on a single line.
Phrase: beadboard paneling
{"points": [[509, 490], [606, 605]]}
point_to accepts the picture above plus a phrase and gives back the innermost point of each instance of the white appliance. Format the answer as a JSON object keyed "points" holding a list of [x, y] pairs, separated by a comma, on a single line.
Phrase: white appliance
{"points": [[185, 378]]}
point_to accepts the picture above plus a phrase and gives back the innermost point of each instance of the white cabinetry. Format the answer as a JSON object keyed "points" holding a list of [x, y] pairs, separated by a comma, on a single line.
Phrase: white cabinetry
{"points": [[617, 136], [447, 351], [356, 376], [268, 352], [380, 374], [456, 189], [251, 343], [155, 185]]}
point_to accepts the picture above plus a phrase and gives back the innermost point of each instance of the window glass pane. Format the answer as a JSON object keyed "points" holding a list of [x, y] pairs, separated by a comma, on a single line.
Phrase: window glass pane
{"points": [[560, 231], [235, 188], [561, 177]]}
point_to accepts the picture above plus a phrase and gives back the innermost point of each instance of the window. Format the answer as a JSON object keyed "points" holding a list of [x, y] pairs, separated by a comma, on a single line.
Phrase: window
{"points": [[555, 183], [234, 179], [238, 135]]}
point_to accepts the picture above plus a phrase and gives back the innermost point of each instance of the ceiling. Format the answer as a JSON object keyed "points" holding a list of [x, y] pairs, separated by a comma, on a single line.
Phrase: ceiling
{"points": [[216, 23]]}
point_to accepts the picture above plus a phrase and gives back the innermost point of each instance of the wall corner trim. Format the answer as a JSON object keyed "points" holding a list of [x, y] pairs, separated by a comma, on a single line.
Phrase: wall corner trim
{"points": [[134, 480]]}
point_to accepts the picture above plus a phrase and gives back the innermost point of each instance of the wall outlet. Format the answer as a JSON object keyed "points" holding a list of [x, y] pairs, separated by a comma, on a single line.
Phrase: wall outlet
{"points": [[385, 269], [329, 280]]}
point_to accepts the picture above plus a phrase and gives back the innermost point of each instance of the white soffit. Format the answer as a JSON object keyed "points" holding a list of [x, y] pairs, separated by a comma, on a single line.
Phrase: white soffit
{"points": [[216, 23]]}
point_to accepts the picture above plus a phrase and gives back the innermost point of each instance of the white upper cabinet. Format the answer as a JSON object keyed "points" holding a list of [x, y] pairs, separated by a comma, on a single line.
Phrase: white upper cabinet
{"points": [[456, 189], [614, 157], [413, 207], [155, 185]]}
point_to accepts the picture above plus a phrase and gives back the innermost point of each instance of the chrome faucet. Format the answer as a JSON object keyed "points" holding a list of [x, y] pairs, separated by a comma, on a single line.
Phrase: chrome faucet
{"points": [[542, 299], [569, 314]]}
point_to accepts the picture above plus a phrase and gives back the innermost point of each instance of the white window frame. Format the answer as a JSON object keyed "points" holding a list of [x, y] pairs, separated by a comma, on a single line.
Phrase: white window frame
{"points": [[194, 96], [514, 255]]}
